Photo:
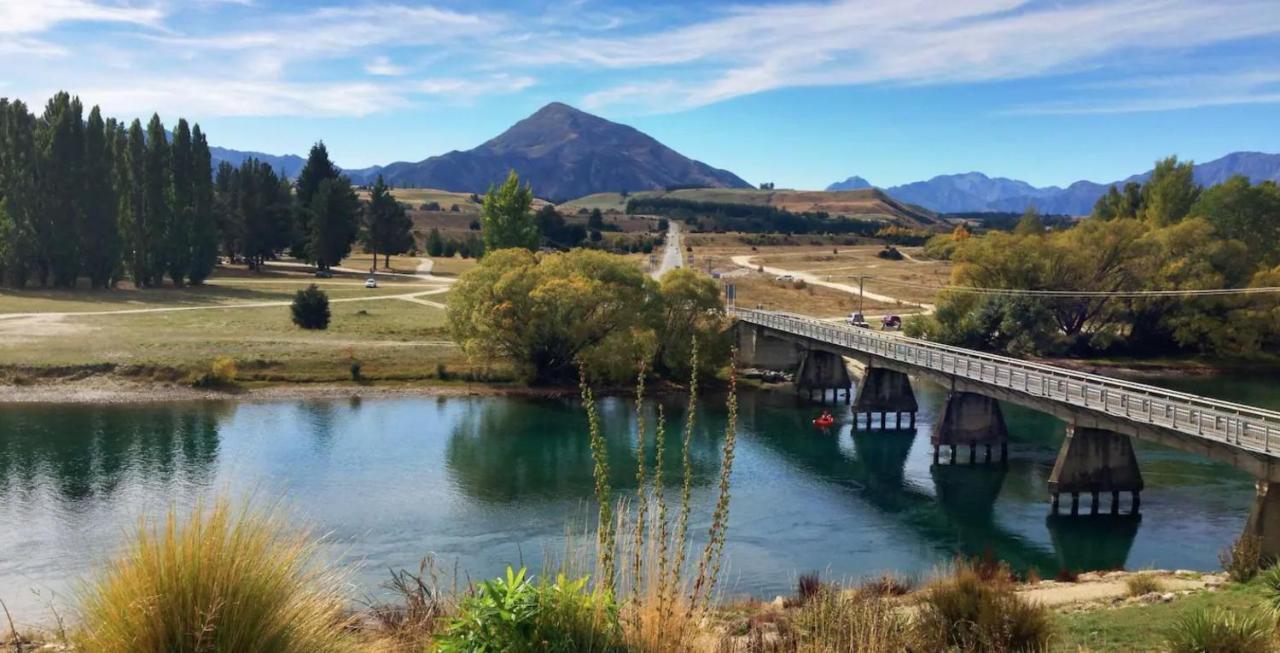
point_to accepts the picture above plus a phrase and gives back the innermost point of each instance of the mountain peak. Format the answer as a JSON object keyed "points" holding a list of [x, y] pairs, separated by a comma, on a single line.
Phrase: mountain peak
{"points": [[852, 183]]}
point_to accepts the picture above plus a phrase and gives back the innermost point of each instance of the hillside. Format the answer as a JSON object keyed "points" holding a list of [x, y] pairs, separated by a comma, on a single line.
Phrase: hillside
{"points": [[974, 191], [867, 204]]}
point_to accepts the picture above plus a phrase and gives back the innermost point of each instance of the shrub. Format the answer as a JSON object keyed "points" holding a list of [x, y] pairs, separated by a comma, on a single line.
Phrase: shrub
{"points": [[966, 613], [888, 585], [1140, 584], [799, 284], [1219, 631], [219, 581], [311, 308], [357, 371], [808, 586], [1243, 559], [515, 614], [222, 374]]}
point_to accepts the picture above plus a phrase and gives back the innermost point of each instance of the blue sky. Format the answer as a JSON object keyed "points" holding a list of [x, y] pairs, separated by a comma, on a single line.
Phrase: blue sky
{"points": [[798, 93]]}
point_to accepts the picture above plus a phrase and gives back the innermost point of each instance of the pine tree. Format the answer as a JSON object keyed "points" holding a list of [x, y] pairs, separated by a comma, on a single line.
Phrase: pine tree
{"points": [[100, 233], [435, 244], [334, 217], [317, 170], [157, 208], [204, 227], [388, 229]]}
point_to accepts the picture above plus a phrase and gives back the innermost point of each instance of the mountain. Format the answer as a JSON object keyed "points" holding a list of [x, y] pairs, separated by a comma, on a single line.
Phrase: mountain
{"points": [[564, 153], [852, 183], [975, 191], [289, 164]]}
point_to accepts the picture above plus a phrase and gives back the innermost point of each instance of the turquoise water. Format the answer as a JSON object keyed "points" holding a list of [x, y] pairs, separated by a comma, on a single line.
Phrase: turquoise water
{"points": [[485, 482]]}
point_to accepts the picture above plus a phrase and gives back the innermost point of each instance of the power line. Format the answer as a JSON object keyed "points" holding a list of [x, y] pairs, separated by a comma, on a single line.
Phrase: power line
{"points": [[1130, 294]]}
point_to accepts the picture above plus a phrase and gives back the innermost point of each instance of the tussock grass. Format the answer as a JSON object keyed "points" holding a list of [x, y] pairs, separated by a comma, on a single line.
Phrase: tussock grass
{"points": [[974, 611], [1144, 583], [1220, 631], [223, 580]]}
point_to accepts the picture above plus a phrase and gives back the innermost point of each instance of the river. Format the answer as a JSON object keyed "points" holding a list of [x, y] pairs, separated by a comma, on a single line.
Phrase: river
{"points": [[485, 482]]}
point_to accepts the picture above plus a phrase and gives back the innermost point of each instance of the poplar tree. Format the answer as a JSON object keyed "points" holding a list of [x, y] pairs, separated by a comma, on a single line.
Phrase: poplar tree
{"points": [[506, 217], [17, 193], [226, 203], [133, 213], [157, 210], [177, 236], [100, 231], [204, 227], [61, 190]]}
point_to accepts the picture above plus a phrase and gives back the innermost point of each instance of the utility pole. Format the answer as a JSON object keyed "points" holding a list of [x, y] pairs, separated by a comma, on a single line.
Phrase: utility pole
{"points": [[861, 298]]}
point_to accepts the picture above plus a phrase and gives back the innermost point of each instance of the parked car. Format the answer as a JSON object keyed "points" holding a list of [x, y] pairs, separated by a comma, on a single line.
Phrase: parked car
{"points": [[784, 278], [370, 283], [324, 274], [857, 320], [891, 322]]}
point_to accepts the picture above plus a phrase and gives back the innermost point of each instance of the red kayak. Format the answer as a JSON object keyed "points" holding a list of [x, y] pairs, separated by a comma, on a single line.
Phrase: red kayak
{"points": [[823, 422]]}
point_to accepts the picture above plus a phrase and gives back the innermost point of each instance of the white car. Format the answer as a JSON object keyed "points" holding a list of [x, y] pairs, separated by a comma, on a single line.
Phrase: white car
{"points": [[784, 277], [370, 283]]}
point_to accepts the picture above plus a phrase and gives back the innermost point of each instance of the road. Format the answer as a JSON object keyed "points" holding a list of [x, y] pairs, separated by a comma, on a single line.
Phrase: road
{"points": [[424, 274], [808, 277], [673, 253]]}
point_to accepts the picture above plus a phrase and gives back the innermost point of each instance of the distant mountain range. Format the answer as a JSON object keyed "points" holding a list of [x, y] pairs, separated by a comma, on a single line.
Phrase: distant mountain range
{"points": [[974, 191], [289, 164], [563, 152]]}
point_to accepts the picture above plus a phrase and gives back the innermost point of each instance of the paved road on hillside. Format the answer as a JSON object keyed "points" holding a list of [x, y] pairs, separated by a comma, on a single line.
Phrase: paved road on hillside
{"points": [[673, 253]]}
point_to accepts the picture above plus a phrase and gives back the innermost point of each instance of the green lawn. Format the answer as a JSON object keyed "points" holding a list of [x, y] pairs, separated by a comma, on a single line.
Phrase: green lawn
{"points": [[1143, 627], [392, 338]]}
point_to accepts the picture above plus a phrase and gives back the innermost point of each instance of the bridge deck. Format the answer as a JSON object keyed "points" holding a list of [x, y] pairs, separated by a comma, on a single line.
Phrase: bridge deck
{"points": [[1237, 425]]}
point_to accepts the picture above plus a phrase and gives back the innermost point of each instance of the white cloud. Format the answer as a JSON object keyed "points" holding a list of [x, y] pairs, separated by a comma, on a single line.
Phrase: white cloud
{"points": [[28, 17], [847, 42], [381, 65], [469, 88], [235, 97], [1166, 93]]}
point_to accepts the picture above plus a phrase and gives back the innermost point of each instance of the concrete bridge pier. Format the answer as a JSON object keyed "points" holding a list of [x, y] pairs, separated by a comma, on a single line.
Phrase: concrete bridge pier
{"points": [[823, 370], [971, 419], [1264, 518], [1095, 461], [886, 391]]}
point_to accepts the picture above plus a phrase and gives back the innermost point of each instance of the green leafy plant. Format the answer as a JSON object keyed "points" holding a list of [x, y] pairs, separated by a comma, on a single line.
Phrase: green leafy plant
{"points": [[1220, 631], [311, 308], [515, 614]]}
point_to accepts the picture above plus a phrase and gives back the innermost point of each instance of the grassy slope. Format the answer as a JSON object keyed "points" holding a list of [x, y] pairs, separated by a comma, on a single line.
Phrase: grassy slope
{"points": [[861, 204]]}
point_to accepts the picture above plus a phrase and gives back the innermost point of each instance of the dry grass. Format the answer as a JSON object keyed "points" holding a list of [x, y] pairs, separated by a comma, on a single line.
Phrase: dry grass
{"points": [[1141, 584], [220, 581]]}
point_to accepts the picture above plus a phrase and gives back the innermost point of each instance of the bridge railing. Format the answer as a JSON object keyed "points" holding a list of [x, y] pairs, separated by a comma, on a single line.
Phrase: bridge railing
{"points": [[1247, 427]]}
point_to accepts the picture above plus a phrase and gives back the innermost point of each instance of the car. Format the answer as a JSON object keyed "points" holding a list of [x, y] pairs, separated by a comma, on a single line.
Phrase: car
{"points": [[890, 322], [370, 283], [857, 320], [784, 278], [324, 274]]}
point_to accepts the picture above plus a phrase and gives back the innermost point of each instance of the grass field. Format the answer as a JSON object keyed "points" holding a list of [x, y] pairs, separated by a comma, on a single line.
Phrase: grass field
{"points": [[1143, 627], [393, 338], [838, 264]]}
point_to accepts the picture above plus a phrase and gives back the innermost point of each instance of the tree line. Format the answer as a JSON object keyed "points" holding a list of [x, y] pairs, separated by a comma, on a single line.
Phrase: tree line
{"points": [[100, 199], [93, 198], [1166, 234], [748, 218]]}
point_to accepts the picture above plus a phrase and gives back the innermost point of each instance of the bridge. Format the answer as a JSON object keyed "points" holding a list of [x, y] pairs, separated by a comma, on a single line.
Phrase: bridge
{"points": [[1102, 413]]}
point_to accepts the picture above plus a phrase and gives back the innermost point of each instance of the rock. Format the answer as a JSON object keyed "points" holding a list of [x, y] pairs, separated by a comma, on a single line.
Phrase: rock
{"points": [[1167, 597], [778, 603], [1187, 573]]}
